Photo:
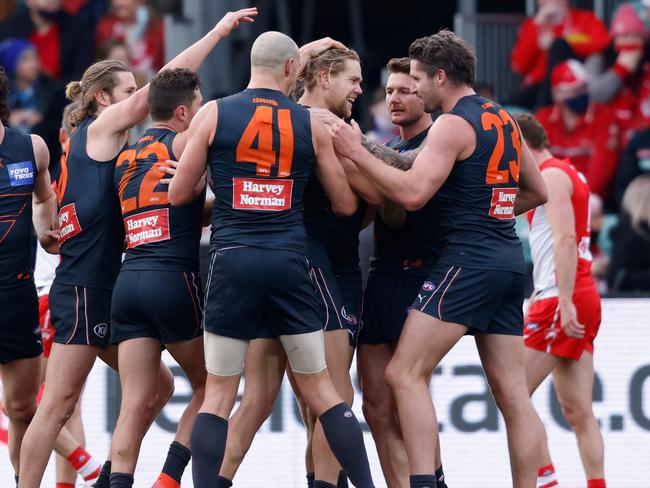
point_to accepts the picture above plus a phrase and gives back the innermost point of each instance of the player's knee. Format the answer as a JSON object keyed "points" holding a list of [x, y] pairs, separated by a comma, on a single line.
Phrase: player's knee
{"points": [[20, 410], [397, 377], [139, 409], [377, 411], [576, 415]]}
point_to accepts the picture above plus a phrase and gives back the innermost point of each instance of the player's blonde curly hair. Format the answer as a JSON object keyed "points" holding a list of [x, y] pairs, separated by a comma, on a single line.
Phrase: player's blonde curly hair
{"points": [[331, 61]]}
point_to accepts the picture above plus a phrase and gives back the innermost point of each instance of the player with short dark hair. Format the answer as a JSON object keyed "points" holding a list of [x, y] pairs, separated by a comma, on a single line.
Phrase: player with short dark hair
{"points": [[27, 198], [92, 241], [564, 314], [405, 251], [482, 174], [158, 296], [259, 273]]}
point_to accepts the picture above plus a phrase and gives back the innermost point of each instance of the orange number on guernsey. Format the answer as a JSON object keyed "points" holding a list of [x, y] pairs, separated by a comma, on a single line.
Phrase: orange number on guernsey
{"points": [[494, 175], [260, 129], [146, 196], [63, 176]]}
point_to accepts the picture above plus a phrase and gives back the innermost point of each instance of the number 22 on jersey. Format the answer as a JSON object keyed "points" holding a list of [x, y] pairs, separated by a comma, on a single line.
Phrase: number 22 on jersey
{"points": [[146, 195]]}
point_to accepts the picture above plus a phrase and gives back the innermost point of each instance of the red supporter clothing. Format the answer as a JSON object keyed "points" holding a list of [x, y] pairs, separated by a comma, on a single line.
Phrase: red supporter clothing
{"points": [[593, 145], [632, 105], [543, 325], [47, 46], [147, 53], [582, 29]]}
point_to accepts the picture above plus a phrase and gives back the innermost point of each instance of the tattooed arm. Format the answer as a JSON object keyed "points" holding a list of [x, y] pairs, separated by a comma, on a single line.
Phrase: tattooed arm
{"points": [[400, 160]]}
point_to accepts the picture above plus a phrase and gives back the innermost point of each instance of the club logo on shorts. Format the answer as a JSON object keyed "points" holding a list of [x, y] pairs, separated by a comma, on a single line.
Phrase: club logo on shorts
{"points": [[21, 173], [532, 326], [350, 319], [68, 222], [428, 286], [261, 194], [100, 330], [348, 414]]}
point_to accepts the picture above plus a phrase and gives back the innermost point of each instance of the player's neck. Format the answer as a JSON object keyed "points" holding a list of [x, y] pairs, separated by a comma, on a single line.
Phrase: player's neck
{"points": [[541, 155], [262, 79], [172, 124], [454, 95], [407, 132], [315, 99]]}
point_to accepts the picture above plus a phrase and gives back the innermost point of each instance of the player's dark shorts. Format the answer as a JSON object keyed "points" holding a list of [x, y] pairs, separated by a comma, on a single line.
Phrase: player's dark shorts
{"points": [[386, 302], [250, 289], [165, 305], [80, 314], [484, 300], [330, 300], [350, 285], [20, 337]]}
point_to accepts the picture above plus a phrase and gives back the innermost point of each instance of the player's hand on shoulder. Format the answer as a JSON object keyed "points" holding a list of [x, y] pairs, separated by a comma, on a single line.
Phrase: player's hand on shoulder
{"points": [[569, 319], [347, 139], [231, 20], [330, 120]]}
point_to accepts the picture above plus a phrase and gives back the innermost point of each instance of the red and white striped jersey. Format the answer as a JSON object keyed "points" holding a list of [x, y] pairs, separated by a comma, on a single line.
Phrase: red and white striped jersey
{"points": [[541, 236]]}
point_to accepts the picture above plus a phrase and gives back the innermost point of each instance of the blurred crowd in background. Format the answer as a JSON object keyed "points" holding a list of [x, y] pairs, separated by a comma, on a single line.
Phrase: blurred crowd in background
{"points": [[586, 82]]}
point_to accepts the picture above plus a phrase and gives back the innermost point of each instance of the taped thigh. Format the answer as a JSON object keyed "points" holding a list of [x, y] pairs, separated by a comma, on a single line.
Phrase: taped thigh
{"points": [[306, 352], [224, 356]]}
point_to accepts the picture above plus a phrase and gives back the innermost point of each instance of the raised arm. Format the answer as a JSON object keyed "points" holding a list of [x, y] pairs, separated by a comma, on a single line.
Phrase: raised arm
{"points": [[44, 215], [191, 167], [121, 116], [414, 187], [330, 172], [532, 189]]}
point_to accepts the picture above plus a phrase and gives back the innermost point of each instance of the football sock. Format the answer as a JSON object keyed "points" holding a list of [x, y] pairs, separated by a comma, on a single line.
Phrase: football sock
{"points": [[103, 481], [223, 482], [342, 481], [208, 441], [86, 465], [121, 480], [596, 483], [440, 478], [177, 458], [546, 477], [423, 481], [323, 484], [64, 485], [343, 434]]}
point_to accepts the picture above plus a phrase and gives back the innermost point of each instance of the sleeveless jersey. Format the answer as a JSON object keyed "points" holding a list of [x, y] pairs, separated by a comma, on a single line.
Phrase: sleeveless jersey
{"points": [[260, 161], [90, 221], [317, 215], [158, 236], [17, 177], [541, 236], [412, 247], [475, 205], [343, 247]]}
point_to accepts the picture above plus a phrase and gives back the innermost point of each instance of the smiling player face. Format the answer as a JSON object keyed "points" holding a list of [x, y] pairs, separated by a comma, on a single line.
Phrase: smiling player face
{"points": [[344, 88]]}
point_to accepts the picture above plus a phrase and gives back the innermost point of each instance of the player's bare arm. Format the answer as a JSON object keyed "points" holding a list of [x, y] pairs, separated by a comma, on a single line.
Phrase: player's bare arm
{"points": [[401, 160], [330, 172], [44, 200], [121, 116], [314, 48], [360, 183], [449, 140], [532, 189], [559, 211], [192, 164]]}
